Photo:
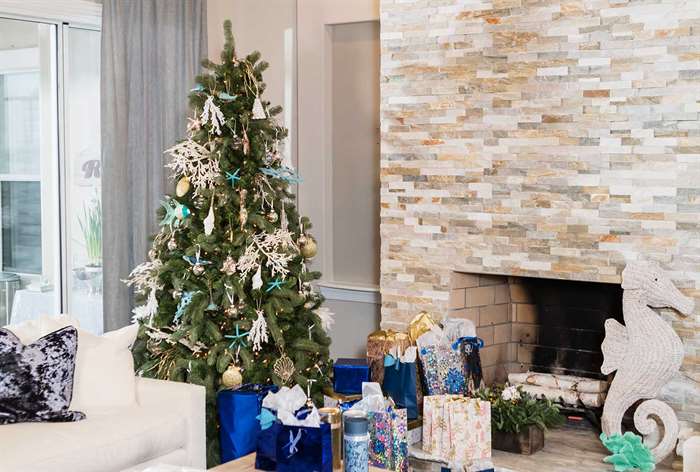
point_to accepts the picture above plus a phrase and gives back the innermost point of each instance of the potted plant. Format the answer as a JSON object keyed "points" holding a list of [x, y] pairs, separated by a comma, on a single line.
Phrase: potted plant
{"points": [[518, 419], [91, 227]]}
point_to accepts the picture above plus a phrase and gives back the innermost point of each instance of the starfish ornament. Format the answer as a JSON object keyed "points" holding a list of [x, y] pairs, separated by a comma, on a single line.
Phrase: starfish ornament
{"points": [[277, 283], [233, 178], [237, 339]]}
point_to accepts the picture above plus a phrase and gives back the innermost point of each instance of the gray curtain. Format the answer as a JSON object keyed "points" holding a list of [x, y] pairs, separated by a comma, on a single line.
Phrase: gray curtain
{"points": [[151, 53]]}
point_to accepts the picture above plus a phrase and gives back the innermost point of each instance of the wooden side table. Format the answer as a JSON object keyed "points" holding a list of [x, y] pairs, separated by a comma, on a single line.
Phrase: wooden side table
{"points": [[247, 464]]}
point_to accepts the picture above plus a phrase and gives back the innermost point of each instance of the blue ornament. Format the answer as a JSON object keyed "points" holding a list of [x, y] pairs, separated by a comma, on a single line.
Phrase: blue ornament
{"points": [[182, 305], [237, 339], [226, 97], [197, 88], [233, 178], [175, 212], [277, 283], [283, 173]]}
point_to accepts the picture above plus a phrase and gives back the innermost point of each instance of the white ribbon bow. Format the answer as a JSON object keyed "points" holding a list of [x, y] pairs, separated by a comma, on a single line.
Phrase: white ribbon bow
{"points": [[293, 443]]}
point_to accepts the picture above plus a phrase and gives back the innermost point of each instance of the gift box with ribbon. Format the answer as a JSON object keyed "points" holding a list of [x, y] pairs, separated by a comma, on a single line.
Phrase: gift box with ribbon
{"points": [[348, 375], [304, 449], [388, 429], [292, 437], [237, 411], [400, 379], [381, 343], [456, 429]]}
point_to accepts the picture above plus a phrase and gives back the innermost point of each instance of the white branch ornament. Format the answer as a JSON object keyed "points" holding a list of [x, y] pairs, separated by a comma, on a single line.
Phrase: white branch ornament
{"points": [[209, 220], [258, 332], [646, 353], [212, 114], [194, 161]]}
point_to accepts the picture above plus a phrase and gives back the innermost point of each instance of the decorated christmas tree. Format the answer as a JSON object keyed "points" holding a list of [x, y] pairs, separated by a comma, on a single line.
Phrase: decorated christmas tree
{"points": [[226, 296]]}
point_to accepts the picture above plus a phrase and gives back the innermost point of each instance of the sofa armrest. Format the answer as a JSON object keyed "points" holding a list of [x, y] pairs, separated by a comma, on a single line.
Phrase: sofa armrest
{"points": [[187, 399]]}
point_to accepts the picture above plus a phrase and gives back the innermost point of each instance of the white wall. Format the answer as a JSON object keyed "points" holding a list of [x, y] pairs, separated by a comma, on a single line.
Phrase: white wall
{"points": [[257, 25], [267, 26]]}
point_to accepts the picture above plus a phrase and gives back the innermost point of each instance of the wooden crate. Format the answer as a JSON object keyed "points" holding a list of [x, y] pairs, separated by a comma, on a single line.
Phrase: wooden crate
{"points": [[527, 442]]}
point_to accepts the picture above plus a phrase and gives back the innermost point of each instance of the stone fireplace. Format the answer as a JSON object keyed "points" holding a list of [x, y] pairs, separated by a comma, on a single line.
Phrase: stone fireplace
{"points": [[540, 325], [551, 139]]}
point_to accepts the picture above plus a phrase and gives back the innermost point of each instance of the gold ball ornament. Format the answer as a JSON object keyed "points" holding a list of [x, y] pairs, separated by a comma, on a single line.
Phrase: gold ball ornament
{"points": [[308, 249], [182, 187], [172, 244], [272, 217], [232, 378], [231, 311], [152, 254]]}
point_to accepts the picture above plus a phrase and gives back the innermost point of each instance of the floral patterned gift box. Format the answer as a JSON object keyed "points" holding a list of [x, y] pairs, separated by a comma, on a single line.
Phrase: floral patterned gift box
{"points": [[388, 448], [443, 370]]}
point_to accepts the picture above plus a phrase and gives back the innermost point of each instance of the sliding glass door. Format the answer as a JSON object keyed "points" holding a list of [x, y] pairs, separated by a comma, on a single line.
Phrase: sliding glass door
{"points": [[50, 211]]}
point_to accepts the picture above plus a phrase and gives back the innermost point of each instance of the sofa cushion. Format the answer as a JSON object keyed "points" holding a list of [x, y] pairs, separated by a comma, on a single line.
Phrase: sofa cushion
{"points": [[104, 370], [105, 441], [104, 365], [36, 381]]}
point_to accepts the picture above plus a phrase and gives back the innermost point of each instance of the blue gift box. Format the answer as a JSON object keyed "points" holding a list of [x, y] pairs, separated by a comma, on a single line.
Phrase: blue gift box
{"points": [[238, 410], [304, 449], [348, 375]]}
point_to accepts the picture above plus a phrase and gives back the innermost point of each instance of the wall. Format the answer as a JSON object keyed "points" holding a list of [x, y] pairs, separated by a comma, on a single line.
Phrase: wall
{"points": [[551, 139], [269, 27], [257, 25]]}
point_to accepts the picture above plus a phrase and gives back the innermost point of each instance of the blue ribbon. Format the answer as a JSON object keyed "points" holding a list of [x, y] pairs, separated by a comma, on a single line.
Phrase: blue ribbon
{"points": [[292, 444], [390, 360], [478, 342], [266, 418]]}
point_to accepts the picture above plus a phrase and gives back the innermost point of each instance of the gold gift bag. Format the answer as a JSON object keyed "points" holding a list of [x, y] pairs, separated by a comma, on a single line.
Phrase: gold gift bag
{"points": [[379, 344]]}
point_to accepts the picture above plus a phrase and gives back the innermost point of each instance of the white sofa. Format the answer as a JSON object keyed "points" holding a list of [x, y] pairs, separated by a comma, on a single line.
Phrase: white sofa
{"points": [[166, 426]]}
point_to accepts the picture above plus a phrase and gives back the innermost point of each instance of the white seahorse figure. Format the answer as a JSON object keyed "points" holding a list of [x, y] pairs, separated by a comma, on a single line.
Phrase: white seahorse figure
{"points": [[646, 353]]}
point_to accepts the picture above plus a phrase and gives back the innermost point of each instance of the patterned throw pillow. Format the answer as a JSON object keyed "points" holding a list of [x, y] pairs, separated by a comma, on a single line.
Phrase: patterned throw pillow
{"points": [[36, 381]]}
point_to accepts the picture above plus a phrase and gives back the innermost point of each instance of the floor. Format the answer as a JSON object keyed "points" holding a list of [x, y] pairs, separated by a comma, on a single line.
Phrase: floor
{"points": [[567, 449]]}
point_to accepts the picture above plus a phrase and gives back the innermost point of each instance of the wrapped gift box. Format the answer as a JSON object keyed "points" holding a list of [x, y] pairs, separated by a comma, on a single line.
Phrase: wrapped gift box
{"points": [[237, 411], [457, 429], [349, 374]]}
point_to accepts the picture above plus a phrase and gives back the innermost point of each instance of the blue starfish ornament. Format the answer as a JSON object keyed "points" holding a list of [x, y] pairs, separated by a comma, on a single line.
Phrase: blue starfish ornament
{"points": [[182, 305], [197, 88], [277, 283], [233, 178], [237, 339], [194, 260]]}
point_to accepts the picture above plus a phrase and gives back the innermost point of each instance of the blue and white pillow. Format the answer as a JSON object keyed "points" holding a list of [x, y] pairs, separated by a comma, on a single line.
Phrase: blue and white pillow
{"points": [[36, 381]]}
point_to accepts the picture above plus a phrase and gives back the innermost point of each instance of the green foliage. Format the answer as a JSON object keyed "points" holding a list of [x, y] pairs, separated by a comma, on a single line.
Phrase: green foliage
{"points": [[91, 227], [628, 453], [194, 348], [518, 409]]}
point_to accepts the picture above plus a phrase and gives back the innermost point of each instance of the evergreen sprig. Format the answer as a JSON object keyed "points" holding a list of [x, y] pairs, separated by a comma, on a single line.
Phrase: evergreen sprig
{"points": [[515, 413]]}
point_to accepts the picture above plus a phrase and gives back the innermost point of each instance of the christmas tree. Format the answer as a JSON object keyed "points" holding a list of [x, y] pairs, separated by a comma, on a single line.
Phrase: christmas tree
{"points": [[225, 296]]}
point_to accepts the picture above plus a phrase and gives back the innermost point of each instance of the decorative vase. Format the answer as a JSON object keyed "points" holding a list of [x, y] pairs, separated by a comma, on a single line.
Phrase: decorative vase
{"points": [[527, 441]]}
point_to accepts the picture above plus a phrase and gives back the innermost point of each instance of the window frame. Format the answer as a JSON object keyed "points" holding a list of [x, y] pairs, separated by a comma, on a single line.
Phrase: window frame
{"points": [[63, 15]]}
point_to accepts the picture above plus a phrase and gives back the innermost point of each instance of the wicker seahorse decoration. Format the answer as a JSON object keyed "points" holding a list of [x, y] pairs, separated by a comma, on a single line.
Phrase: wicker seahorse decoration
{"points": [[646, 353]]}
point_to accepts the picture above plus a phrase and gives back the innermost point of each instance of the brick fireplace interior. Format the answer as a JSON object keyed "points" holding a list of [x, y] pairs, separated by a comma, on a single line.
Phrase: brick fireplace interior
{"points": [[535, 324]]}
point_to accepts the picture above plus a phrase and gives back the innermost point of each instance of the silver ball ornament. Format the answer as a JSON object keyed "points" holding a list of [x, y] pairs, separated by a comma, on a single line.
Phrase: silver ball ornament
{"points": [[198, 269], [172, 244]]}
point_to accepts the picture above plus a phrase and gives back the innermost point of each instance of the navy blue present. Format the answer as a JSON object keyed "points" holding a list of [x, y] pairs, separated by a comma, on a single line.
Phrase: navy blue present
{"points": [[266, 448], [400, 384], [304, 449], [238, 410], [348, 375]]}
